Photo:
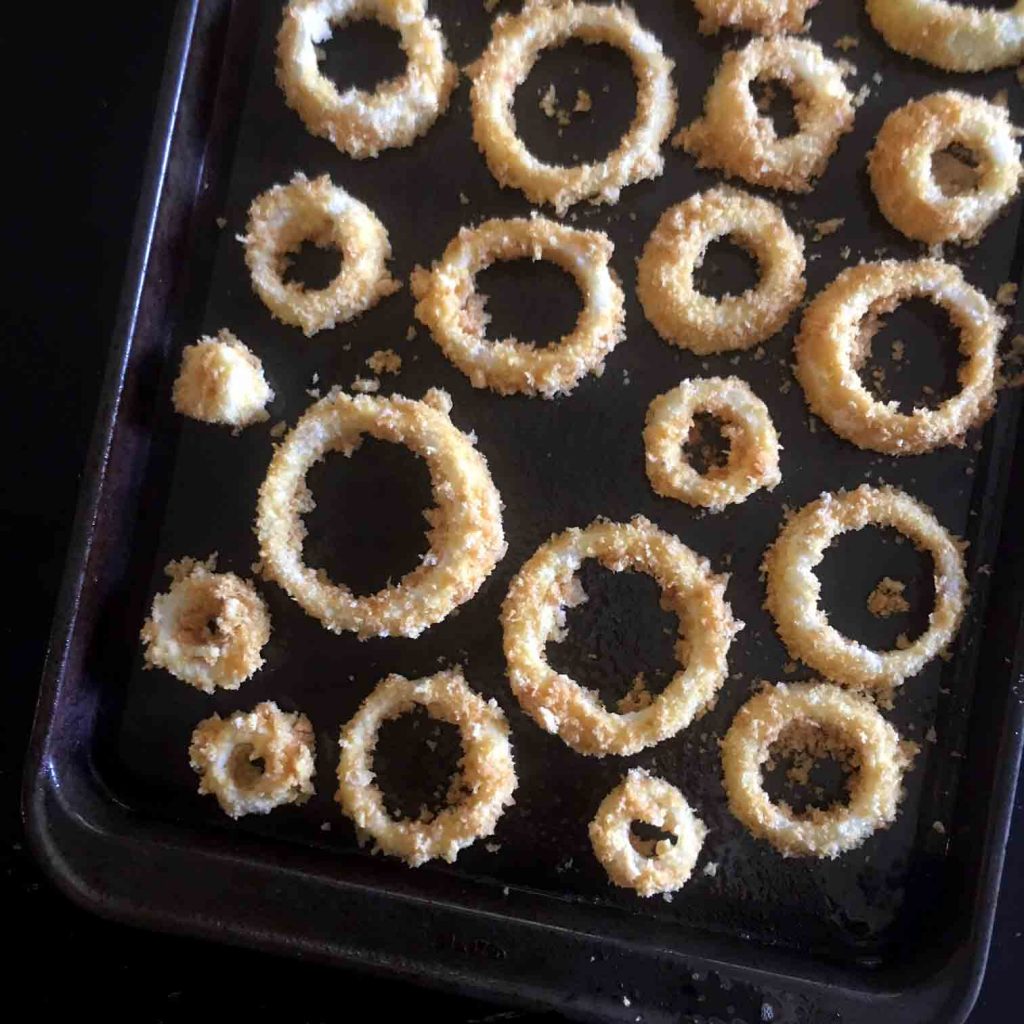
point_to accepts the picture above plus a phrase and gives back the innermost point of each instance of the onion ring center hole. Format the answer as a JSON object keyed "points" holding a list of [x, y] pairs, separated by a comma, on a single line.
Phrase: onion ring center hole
{"points": [[645, 838], [416, 761], [519, 299], [776, 102], [200, 624], [706, 447], [577, 102], [619, 642], [367, 527], [245, 769], [809, 768], [312, 266], [725, 268], [361, 54], [955, 170], [858, 600]]}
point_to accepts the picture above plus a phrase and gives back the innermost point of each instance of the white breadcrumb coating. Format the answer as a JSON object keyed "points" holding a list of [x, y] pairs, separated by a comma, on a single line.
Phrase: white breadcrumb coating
{"points": [[765, 17]]}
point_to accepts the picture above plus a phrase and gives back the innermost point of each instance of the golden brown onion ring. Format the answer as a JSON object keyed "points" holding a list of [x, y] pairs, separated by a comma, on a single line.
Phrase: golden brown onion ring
{"points": [[765, 17]]}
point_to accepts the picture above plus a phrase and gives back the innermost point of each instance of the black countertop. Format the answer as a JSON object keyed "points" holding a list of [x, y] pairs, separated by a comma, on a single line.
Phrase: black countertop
{"points": [[80, 95]]}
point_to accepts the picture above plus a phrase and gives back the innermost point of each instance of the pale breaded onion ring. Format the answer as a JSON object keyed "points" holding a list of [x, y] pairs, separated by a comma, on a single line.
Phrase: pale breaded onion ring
{"points": [[209, 628], [466, 538], [683, 315], [317, 211], [875, 786], [736, 138], [223, 750], [533, 614], [830, 347], [479, 793], [765, 17], [516, 42], [753, 443], [359, 123], [955, 37], [794, 591], [900, 166], [643, 797], [447, 305]]}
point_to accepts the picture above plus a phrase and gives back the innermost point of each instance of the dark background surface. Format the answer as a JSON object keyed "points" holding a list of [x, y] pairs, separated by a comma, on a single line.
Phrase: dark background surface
{"points": [[81, 97]]}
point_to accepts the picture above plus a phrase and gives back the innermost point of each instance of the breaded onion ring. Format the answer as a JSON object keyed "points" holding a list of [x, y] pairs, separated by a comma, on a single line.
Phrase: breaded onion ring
{"points": [[208, 629], [734, 137], [479, 793], [955, 37], [900, 166], [765, 17], [223, 751], [875, 785], [359, 123], [830, 347], [643, 797], [466, 538], [533, 615], [683, 315], [317, 211], [794, 592], [516, 42], [753, 443], [450, 307]]}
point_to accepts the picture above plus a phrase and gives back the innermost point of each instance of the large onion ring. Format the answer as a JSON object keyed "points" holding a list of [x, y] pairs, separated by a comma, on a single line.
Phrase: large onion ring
{"points": [[954, 37], [683, 315], [900, 166], [466, 538], [794, 591], [765, 17], [753, 443], [734, 137], [515, 45], [482, 789], [875, 787], [284, 217], [830, 346], [359, 123], [448, 305], [643, 797], [533, 614], [223, 750]]}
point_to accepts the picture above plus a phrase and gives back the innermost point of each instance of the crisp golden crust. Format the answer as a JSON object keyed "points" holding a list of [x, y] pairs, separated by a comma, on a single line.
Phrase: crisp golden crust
{"points": [[765, 17], [221, 381], [223, 751], [830, 347], [479, 793], [753, 443], [360, 123], [533, 615], [736, 138], [643, 797], [208, 629], [317, 211], [900, 166], [466, 538], [516, 42], [875, 787], [955, 37], [794, 592], [683, 315], [448, 304]]}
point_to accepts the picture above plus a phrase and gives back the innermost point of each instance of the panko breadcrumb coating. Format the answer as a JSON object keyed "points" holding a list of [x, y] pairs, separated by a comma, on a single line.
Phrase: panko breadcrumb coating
{"points": [[765, 17]]}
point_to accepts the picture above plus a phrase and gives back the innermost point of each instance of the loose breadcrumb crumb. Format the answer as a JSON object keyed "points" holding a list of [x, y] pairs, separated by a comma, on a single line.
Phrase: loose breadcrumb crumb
{"points": [[463, 199], [931, 736], [222, 222], [638, 696], [583, 102], [1006, 295], [711, 868], [939, 827], [278, 429], [410, 334], [887, 598], [385, 360], [365, 385], [823, 228], [845, 43]]}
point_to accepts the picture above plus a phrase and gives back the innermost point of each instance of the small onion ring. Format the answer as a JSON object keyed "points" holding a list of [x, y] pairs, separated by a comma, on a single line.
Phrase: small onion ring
{"points": [[794, 591], [359, 123], [875, 787], [465, 535], [831, 341], [900, 166], [284, 217], [485, 783], [753, 443], [515, 44], [954, 37], [765, 17], [223, 749], [643, 797], [178, 637], [736, 138], [446, 294], [683, 315], [533, 614]]}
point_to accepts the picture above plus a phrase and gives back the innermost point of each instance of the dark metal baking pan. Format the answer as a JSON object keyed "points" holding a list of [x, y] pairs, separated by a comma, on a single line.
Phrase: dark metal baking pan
{"points": [[899, 927]]}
